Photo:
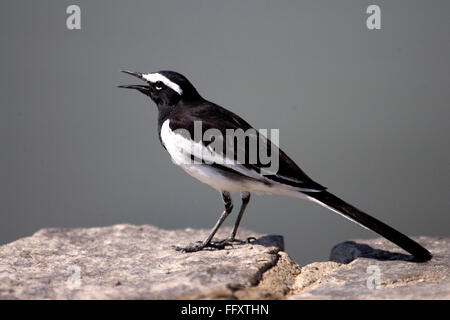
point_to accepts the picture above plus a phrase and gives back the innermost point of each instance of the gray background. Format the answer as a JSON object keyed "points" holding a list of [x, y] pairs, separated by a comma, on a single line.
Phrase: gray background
{"points": [[365, 113]]}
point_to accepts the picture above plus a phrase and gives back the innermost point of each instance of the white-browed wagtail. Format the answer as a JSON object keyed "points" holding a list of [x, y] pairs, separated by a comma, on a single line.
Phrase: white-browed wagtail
{"points": [[181, 108]]}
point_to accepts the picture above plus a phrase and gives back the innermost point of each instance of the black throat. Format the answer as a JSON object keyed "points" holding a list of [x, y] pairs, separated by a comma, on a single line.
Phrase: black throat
{"points": [[165, 111]]}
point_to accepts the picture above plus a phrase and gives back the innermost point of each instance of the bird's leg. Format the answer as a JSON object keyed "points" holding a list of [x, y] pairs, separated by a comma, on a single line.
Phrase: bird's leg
{"points": [[245, 196], [207, 242]]}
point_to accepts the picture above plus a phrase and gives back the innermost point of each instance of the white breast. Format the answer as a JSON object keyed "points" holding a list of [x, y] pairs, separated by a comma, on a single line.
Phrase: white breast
{"points": [[175, 144], [181, 148]]}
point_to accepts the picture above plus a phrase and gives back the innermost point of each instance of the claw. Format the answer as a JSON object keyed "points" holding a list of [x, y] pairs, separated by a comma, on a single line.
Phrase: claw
{"points": [[250, 239], [221, 244], [231, 241], [192, 248]]}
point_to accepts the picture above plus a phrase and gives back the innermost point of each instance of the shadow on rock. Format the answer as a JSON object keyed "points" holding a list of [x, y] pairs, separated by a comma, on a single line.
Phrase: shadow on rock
{"points": [[269, 241], [348, 251]]}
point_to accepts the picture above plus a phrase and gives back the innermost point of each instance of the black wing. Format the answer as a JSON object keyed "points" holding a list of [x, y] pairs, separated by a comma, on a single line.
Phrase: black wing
{"points": [[213, 116]]}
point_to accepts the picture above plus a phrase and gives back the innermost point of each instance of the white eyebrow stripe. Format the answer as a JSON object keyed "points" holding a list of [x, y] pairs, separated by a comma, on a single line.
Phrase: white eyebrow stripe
{"points": [[154, 77]]}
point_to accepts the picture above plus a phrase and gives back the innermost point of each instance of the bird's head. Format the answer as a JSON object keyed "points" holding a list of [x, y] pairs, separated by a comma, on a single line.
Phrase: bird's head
{"points": [[165, 88]]}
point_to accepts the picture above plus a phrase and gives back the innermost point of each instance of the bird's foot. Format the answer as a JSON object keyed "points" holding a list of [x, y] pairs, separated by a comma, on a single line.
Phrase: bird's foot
{"points": [[221, 244], [198, 246]]}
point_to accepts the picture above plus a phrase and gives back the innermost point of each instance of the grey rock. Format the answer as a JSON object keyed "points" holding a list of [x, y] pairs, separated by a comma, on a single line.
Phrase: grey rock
{"points": [[275, 283], [130, 262], [138, 262], [377, 269]]}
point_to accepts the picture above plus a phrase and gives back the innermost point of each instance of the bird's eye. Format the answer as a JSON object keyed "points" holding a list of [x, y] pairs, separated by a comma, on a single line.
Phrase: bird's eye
{"points": [[158, 85]]}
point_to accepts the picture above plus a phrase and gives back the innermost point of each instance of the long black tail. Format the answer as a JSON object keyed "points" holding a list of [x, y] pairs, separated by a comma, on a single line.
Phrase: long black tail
{"points": [[329, 200]]}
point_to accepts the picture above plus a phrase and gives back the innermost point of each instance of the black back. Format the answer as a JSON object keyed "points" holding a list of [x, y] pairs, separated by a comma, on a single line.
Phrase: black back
{"points": [[212, 116]]}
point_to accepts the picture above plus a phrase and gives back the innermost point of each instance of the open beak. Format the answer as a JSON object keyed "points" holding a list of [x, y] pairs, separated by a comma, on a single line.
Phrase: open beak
{"points": [[145, 89], [135, 74]]}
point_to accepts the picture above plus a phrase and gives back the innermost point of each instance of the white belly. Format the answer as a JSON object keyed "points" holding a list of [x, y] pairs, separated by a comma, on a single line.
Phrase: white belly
{"points": [[180, 149]]}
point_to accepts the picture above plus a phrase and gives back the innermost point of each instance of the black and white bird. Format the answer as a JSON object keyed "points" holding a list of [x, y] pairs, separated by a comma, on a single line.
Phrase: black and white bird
{"points": [[180, 106]]}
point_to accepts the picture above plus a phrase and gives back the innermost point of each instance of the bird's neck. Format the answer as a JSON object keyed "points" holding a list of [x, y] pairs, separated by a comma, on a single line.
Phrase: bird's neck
{"points": [[163, 114], [164, 111]]}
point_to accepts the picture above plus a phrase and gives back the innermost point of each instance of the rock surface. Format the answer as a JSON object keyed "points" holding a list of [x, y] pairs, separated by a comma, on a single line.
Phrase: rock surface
{"points": [[138, 262], [129, 262], [360, 271]]}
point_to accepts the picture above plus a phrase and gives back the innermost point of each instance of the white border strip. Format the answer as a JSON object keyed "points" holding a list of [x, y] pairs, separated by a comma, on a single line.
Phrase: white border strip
{"points": [[154, 77]]}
